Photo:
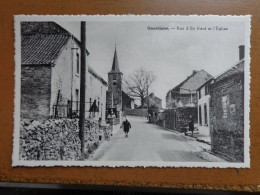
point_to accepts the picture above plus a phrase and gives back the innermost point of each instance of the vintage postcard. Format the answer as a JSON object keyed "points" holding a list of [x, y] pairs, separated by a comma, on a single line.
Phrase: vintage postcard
{"points": [[132, 90]]}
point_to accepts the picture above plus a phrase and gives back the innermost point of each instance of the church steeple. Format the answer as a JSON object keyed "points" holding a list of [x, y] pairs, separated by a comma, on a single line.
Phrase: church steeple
{"points": [[115, 65], [114, 96]]}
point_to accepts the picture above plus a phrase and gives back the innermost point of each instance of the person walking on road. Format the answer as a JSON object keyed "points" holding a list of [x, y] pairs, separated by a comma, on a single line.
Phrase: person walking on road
{"points": [[127, 126], [191, 124]]}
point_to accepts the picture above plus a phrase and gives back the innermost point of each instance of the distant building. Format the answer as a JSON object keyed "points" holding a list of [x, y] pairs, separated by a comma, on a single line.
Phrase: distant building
{"points": [[184, 94], [227, 112], [50, 70], [153, 101], [127, 101]]}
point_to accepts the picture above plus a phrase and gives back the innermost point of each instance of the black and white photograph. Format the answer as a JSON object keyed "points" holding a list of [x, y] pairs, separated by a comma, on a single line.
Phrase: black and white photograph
{"points": [[132, 91]]}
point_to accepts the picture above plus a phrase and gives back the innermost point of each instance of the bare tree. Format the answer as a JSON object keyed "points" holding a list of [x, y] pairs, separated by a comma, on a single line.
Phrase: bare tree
{"points": [[138, 84]]}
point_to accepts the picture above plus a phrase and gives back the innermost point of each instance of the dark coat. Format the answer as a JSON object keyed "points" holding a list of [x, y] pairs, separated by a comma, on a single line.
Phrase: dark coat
{"points": [[126, 126], [191, 124]]}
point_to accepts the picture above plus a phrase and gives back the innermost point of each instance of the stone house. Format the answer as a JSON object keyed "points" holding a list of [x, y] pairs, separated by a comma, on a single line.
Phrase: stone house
{"points": [[184, 94], [227, 112], [50, 70]]}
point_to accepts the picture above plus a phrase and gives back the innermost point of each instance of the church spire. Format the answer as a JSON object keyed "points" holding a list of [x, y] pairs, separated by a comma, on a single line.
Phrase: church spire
{"points": [[115, 65]]}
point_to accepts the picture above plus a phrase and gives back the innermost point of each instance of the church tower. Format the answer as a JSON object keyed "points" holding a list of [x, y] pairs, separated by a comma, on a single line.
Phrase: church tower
{"points": [[115, 85]]}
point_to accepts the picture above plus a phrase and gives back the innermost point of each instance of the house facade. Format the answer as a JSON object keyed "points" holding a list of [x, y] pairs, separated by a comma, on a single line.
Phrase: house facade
{"points": [[50, 70], [96, 94], [203, 96], [227, 112], [184, 94]]}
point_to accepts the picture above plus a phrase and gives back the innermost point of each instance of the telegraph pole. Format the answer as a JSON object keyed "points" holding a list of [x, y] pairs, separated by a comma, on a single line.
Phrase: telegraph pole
{"points": [[82, 86], [148, 103]]}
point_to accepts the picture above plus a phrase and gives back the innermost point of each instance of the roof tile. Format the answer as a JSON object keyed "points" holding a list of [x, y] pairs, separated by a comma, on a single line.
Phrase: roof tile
{"points": [[41, 49]]}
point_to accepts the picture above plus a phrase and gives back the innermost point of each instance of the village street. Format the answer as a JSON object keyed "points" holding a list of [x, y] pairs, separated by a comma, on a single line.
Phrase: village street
{"points": [[148, 142]]}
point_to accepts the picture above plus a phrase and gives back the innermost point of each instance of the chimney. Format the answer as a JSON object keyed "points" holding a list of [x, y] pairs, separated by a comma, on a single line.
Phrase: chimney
{"points": [[194, 71], [241, 52], [152, 95]]}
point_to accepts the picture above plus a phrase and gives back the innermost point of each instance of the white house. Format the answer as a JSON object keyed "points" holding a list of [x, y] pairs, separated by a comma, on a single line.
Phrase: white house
{"points": [[96, 94], [203, 97]]}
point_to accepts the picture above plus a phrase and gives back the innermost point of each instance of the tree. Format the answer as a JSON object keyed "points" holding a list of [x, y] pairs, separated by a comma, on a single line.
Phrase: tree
{"points": [[138, 84]]}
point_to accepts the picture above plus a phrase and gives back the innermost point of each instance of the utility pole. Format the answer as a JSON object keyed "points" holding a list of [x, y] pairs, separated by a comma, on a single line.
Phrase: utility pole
{"points": [[148, 103], [82, 86]]}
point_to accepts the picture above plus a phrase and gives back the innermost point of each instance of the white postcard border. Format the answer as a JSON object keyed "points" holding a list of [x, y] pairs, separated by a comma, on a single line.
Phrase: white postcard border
{"points": [[17, 88]]}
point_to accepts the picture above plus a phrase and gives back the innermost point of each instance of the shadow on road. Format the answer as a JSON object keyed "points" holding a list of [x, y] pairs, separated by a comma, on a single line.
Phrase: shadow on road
{"points": [[174, 137], [180, 156]]}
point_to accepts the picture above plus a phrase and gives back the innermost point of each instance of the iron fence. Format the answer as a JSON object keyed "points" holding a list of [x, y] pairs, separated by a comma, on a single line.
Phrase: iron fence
{"points": [[71, 109]]}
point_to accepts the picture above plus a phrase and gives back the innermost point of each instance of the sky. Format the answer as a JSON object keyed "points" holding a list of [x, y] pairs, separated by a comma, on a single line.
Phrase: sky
{"points": [[171, 55]]}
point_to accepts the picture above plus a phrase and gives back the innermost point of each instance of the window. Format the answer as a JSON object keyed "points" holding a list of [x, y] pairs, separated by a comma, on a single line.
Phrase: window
{"points": [[101, 109], [77, 100], [114, 77], [77, 63], [225, 106], [206, 89], [205, 114], [199, 93]]}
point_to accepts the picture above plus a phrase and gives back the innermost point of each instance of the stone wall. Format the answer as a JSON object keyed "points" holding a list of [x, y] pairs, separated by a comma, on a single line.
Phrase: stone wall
{"points": [[227, 117], [57, 139], [35, 91], [229, 144], [136, 112]]}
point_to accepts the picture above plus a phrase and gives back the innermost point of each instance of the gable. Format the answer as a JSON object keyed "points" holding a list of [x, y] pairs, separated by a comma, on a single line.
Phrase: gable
{"points": [[239, 68], [195, 81]]}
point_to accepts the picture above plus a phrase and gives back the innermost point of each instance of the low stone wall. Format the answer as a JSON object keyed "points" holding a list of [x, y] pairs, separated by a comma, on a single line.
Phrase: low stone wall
{"points": [[57, 139], [229, 144], [136, 112]]}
